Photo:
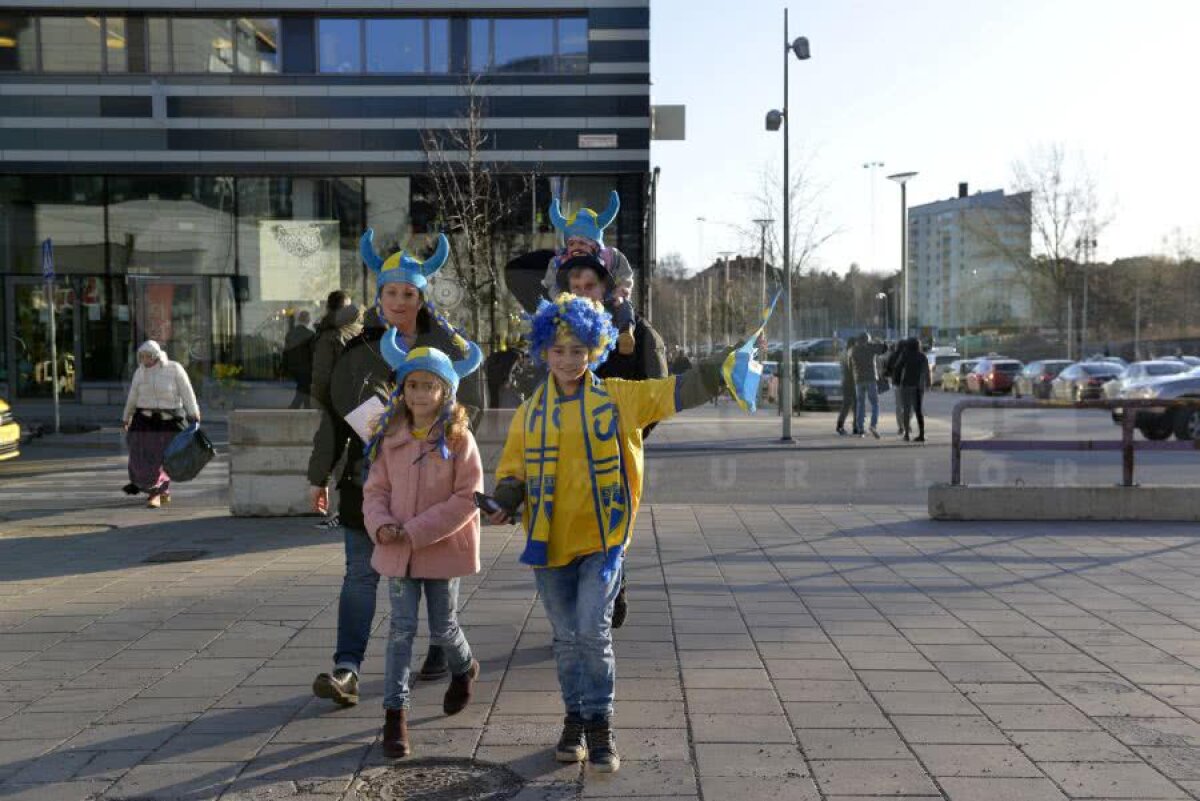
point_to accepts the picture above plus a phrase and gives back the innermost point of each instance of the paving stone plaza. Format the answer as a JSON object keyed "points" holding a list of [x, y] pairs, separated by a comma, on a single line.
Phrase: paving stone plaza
{"points": [[784, 652]]}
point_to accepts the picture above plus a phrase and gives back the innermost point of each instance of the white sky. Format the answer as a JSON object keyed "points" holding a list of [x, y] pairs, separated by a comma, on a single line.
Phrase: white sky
{"points": [[955, 89]]}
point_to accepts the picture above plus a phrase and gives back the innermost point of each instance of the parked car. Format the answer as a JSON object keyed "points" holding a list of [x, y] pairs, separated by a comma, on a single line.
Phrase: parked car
{"points": [[939, 363], [1034, 379], [955, 377], [10, 433], [1083, 381], [992, 376], [1156, 423], [819, 385], [1140, 372]]}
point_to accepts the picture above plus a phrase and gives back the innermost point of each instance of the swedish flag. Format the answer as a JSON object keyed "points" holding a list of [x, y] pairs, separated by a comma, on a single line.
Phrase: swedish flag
{"points": [[742, 372]]}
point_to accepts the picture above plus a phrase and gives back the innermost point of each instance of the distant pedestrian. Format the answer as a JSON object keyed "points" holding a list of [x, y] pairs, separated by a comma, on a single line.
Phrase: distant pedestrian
{"points": [[866, 382], [342, 322], [160, 398], [419, 510], [848, 398], [298, 359], [890, 375], [912, 371]]}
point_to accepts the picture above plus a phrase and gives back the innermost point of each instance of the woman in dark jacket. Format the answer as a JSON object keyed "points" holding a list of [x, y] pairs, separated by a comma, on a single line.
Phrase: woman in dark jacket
{"points": [[342, 322], [912, 374], [361, 375]]}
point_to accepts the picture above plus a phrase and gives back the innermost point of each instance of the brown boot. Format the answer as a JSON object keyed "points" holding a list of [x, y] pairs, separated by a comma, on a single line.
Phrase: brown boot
{"points": [[395, 734], [458, 695]]}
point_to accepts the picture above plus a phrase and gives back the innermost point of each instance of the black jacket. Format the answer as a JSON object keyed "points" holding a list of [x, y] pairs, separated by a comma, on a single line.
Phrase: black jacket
{"points": [[648, 360], [360, 372], [912, 368]]}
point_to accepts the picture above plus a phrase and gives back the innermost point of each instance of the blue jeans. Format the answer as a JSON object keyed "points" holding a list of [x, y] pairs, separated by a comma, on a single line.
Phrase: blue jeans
{"points": [[864, 391], [441, 604], [356, 606], [580, 608]]}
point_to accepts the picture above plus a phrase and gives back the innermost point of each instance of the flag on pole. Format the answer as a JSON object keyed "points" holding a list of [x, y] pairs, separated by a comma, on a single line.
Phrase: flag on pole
{"points": [[742, 372]]}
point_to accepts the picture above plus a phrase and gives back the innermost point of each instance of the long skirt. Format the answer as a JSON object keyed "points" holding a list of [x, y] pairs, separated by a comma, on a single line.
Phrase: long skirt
{"points": [[149, 436]]}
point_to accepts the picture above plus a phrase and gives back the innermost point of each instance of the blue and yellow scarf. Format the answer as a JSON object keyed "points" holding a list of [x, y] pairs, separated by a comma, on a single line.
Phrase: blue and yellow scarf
{"points": [[602, 456]]}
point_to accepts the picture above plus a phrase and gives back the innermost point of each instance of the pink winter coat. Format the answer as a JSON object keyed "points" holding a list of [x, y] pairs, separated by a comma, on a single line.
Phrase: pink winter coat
{"points": [[433, 499]]}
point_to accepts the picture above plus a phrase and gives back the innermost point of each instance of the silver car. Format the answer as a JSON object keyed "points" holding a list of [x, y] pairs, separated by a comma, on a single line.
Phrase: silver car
{"points": [[819, 385], [1155, 423]]}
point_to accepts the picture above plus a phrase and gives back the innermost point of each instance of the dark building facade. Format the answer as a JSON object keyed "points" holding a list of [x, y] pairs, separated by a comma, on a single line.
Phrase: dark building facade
{"points": [[204, 170]]}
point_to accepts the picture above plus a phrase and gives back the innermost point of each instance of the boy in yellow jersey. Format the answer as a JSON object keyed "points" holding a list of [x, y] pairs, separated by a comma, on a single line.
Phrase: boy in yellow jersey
{"points": [[574, 458]]}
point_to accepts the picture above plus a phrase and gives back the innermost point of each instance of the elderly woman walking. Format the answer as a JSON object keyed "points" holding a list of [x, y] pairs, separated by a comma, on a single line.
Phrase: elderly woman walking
{"points": [[160, 396]]}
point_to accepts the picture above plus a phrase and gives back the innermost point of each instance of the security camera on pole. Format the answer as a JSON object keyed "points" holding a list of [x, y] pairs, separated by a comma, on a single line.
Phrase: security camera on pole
{"points": [[775, 120]]}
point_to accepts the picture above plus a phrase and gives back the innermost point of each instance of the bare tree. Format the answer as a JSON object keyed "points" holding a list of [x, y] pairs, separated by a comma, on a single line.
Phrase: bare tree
{"points": [[809, 224], [478, 204]]}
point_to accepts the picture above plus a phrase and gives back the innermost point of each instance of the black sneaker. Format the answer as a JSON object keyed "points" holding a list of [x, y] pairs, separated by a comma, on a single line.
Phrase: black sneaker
{"points": [[572, 745], [874, 432], [602, 747], [434, 668], [620, 606], [841, 432], [341, 687]]}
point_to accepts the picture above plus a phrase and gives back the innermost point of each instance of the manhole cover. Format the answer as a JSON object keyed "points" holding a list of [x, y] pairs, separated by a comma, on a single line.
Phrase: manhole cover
{"points": [[442, 780], [174, 556]]}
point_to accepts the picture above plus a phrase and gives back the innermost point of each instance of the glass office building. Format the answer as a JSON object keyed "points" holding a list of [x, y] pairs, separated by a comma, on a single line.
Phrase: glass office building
{"points": [[203, 177]]}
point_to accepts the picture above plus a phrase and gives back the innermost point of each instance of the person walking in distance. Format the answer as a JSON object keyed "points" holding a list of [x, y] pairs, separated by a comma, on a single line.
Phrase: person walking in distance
{"points": [[848, 398], [866, 383], [912, 370]]}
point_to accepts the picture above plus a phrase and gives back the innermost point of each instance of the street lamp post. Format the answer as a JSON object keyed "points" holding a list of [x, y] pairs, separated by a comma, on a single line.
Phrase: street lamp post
{"points": [[882, 296], [873, 166], [903, 178], [775, 120]]}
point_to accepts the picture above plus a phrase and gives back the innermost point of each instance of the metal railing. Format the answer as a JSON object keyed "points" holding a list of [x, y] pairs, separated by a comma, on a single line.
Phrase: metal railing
{"points": [[1127, 444]]}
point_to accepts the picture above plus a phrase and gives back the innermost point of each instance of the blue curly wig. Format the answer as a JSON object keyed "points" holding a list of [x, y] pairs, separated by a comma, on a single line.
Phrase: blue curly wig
{"points": [[584, 319]]}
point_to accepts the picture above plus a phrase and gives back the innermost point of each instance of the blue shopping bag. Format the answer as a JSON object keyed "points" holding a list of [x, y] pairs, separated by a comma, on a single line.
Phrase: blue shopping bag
{"points": [[187, 454]]}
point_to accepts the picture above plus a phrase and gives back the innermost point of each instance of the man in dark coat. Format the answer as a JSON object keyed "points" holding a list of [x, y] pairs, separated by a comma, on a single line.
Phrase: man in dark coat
{"points": [[848, 406], [912, 379], [297, 359]]}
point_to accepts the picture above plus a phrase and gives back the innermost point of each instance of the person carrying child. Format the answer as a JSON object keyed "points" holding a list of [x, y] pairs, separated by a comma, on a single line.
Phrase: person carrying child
{"points": [[573, 457], [419, 509]]}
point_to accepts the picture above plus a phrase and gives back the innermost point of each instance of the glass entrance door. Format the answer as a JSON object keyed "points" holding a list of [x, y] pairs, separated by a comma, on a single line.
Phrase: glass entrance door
{"points": [[31, 373], [175, 313]]}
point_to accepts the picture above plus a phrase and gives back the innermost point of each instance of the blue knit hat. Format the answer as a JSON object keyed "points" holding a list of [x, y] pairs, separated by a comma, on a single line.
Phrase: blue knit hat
{"points": [[400, 267], [585, 222]]}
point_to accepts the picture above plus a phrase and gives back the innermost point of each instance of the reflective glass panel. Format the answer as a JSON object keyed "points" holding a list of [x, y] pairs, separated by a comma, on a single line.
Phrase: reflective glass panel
{"points": [[67, 209], [116, 45], [258, 45], [439, 45], [339, 44], [395, 45], [18, 43], [171, 225], [157, 44], [71, 44], [524, 45], [573, 44], [202, 45], [481, 45]]}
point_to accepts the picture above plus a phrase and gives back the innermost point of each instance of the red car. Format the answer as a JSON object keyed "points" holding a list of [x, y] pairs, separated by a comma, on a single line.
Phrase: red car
{"points": [[993, 376]]}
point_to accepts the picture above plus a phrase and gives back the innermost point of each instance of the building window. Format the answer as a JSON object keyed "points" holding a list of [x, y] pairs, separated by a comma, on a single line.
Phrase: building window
{"points": [[572, 44], [201, 45], [395, 45], [116, 45], [257, 45], [340, 45], [72, 44], [528, 44], [18, 43]]}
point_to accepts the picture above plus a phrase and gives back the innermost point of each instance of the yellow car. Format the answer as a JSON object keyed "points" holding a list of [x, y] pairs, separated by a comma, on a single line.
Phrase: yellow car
{"points": [[10, 433]]}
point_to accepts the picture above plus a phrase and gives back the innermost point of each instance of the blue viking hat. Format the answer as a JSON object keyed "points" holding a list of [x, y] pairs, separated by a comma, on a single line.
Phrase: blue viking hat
{"points": [[585, 222], [430, 360], [400, 267]]}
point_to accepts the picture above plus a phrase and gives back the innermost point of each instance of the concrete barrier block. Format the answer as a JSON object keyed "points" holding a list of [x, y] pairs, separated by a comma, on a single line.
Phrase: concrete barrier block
{"points": [[1176, 504], [253, 495], [269, 459], [272, 426]]}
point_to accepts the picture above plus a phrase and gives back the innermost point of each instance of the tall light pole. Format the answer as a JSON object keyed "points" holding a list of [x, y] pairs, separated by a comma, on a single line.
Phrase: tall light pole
{"points": [[700, 244], [776, 119], [762, 256], [884, 297], [903, 178], [872, 166]]}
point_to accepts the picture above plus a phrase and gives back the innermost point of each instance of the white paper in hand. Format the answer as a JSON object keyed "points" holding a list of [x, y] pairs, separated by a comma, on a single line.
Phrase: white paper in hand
{"points": [[363, 417]]}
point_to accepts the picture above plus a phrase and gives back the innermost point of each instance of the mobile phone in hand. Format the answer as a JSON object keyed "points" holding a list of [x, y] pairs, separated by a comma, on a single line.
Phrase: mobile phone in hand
{"points": [[489, 504]]}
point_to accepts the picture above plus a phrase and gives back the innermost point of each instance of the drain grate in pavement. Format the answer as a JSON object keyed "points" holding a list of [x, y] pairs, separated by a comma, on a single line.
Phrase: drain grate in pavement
{"points": [[442, 780], [186, 555]]}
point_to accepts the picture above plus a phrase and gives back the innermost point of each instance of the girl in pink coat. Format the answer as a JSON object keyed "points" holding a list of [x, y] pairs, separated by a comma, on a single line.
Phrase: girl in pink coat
{"points": [[419, 509]]}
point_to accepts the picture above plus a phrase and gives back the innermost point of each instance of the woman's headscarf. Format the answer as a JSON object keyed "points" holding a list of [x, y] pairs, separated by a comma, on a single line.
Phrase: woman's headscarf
{"points": [[155, 350]]}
